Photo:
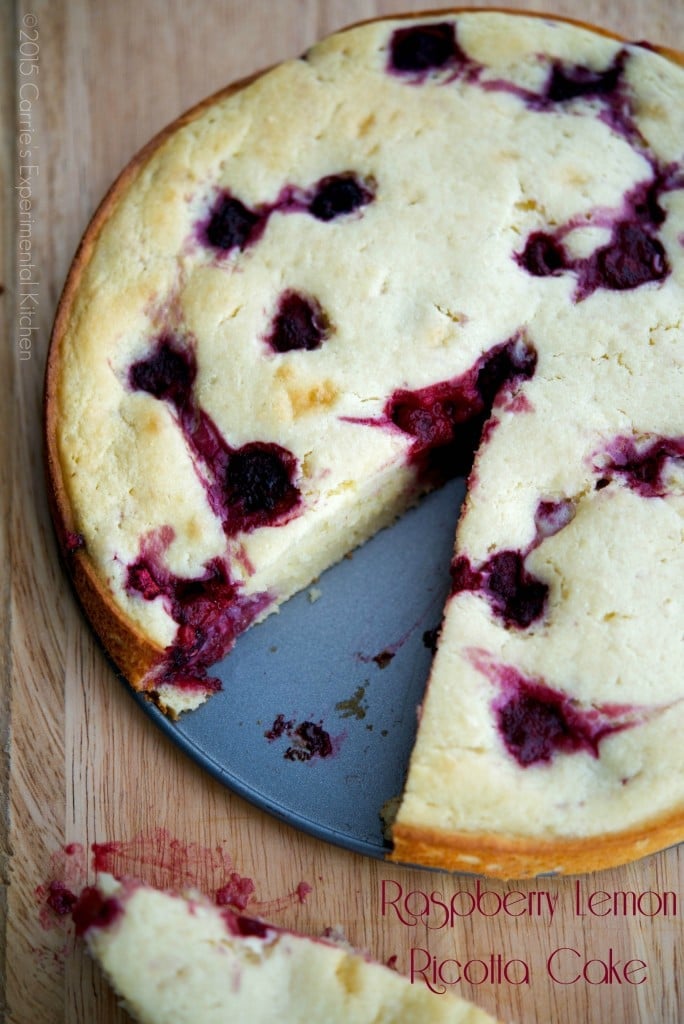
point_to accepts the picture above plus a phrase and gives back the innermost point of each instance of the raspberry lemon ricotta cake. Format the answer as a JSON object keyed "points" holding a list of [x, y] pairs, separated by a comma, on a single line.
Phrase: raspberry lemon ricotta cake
{"points": [[430, 240], [176, 960]]}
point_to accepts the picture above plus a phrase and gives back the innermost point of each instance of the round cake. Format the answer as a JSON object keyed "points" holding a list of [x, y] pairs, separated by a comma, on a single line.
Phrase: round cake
{"points": [[433, 246], [181, 960]]}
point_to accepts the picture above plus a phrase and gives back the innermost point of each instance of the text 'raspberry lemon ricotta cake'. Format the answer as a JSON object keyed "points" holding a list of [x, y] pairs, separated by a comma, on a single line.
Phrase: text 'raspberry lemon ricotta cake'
{"points": [[430, 240], [178, 960]]}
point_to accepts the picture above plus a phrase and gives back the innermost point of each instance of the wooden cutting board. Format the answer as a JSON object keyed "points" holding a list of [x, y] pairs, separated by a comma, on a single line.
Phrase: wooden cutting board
{"points": [[89, 83]]}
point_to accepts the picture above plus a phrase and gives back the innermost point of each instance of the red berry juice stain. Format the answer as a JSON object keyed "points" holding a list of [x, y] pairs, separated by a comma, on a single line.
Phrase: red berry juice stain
{"points": [[246, 488], [92, 909], [536, 722], [232, 226], [420, 50], [419, 53], [281, 727], [210, 611], [308, 740], [60, 898], [514, 594], [161, 860], [430, 638], [74, 541], [299, 324], [303, 891], [65, 877], [296, 896], [237, 892], [383, 658], [643, 467], [444, 421], [633, 256], [157, 859], [246, 927]]}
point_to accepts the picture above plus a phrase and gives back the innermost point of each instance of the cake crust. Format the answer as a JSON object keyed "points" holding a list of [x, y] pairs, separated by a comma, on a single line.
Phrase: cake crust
{"points": [[132, 652], [518, 857]]}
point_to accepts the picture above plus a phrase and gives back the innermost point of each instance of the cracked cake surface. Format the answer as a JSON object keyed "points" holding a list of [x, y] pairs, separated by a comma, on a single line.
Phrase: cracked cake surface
{"points": [[433, 246]]}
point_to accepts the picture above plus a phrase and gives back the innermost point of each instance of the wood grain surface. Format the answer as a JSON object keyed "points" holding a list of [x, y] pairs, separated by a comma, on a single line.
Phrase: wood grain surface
{"points": [[79, 763]]}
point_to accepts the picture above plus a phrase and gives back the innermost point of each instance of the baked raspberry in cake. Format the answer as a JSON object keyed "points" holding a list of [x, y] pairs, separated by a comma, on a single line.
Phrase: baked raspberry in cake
{"points": [[431, 240], [177, 960]]}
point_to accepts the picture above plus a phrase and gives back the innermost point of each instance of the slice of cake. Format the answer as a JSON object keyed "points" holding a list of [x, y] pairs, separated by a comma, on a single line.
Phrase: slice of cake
{"points": [[175, 960], [322, 292]]}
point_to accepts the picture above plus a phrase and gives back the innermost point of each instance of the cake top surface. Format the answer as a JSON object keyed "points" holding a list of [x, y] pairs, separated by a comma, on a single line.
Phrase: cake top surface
{"points": [[326, 288], [305, 247]]}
